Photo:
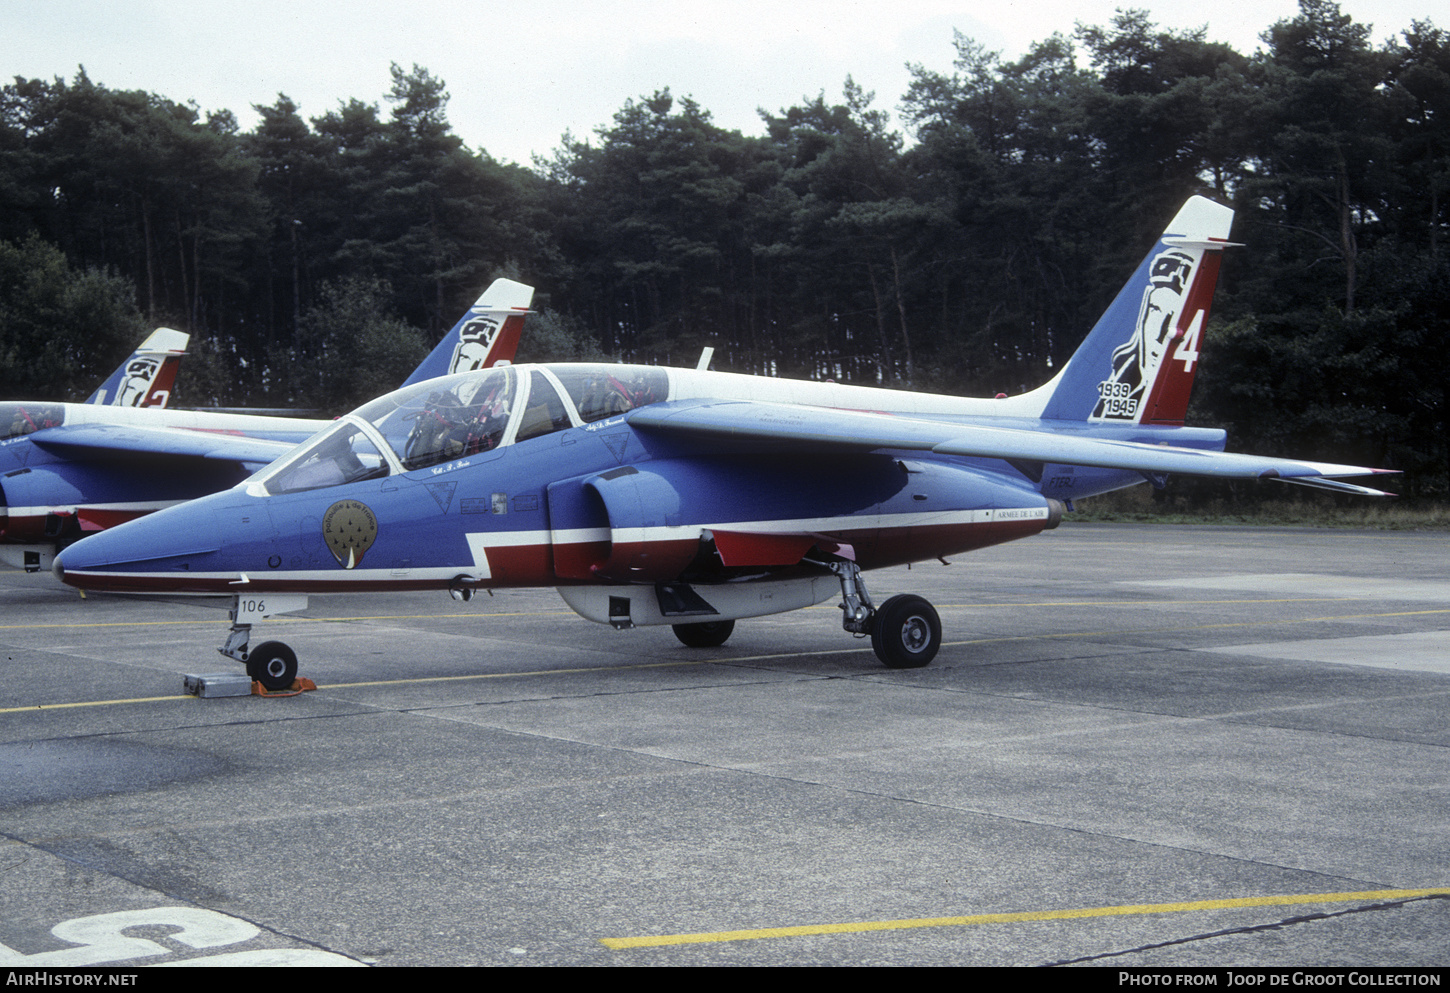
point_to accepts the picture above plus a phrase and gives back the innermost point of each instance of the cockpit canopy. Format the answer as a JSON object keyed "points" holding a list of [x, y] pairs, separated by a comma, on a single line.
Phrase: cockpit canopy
{"points": [[17, 419], [452, 418]]}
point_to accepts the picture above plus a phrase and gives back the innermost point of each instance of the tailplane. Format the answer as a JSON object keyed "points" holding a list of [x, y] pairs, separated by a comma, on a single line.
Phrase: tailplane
{"points": [[147, 377], [1137, 364], [485, 336]]}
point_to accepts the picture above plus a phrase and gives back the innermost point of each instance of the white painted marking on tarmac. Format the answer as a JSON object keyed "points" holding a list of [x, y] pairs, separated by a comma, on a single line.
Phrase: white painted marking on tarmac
{"points": [[1301, 583], [1421, 651]]}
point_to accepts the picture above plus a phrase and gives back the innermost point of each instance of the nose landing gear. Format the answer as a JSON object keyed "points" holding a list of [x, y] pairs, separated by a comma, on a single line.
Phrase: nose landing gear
{"points": [[271, 663]]}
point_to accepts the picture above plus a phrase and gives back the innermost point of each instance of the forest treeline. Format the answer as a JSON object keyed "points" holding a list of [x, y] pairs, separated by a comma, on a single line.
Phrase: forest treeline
{"points": [[314, 259]]}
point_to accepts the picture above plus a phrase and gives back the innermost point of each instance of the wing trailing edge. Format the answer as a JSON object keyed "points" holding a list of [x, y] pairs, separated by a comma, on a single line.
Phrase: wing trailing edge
{"points": [[783, 427]]}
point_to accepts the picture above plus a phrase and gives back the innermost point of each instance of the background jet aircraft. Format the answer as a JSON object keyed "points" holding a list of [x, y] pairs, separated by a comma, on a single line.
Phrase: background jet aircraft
{"points": [[146, 378], [70, 469], [690, 498]]}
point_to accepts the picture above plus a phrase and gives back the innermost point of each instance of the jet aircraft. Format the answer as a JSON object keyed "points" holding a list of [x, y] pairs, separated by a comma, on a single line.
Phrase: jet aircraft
{"points": [[68, 469], [690, 498]]}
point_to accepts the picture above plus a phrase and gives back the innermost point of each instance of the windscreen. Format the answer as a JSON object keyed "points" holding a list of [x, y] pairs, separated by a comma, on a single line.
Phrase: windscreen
{"points": [[342, 454]]}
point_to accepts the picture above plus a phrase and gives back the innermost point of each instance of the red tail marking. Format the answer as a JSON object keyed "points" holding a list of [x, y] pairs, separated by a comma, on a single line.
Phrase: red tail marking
{"points": [[160, 391], [507, 342], [1168, 401]]}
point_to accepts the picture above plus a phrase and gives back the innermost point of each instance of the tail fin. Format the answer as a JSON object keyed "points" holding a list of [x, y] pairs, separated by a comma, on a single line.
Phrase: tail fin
{"points": [[485, 336], [146, 378], [1137, 364]]}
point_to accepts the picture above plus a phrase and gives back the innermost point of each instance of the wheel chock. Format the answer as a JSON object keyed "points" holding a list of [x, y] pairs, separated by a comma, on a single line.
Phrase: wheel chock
{"points": [[299, 685]]}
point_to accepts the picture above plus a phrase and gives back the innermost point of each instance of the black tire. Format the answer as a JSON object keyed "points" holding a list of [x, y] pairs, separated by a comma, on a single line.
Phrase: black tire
{"points": [[906, 632], [710, 634], [272, 664]]}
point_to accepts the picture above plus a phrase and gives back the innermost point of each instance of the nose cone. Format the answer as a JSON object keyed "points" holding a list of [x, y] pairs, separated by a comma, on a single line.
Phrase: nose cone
{"points": [[169, 551]]}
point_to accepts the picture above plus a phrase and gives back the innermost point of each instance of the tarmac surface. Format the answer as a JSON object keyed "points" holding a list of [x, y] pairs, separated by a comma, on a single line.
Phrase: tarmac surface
{"points": [[1139, 746]]}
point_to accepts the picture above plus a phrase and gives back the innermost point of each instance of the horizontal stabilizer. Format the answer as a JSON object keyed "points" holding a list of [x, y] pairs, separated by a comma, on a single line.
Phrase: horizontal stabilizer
{"points": [[1337, 486]]}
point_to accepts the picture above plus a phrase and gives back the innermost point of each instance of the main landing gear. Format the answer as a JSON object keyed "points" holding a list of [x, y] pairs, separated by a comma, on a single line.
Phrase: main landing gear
{"points": [[905, 630], [271, 663], [709, 634]]}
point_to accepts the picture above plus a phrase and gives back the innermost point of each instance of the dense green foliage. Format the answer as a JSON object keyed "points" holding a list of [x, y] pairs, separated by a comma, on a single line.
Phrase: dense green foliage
{"points": [[971, 258]]}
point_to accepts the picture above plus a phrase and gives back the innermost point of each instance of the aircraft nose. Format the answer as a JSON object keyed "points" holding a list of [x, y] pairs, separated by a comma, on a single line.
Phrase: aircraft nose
{"points": [[144, 553]]}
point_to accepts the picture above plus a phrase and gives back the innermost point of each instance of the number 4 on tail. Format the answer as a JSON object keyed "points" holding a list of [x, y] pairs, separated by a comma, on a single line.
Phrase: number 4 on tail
{"points": [[1187, 349]]}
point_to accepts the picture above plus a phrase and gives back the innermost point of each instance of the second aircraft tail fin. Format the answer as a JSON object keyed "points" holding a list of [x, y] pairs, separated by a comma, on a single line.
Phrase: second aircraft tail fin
{"points": [[147, 377], [485, 336]]}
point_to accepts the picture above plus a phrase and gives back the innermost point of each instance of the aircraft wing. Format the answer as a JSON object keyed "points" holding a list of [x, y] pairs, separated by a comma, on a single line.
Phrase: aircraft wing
{"points": [[92, 440], [784, 426]]}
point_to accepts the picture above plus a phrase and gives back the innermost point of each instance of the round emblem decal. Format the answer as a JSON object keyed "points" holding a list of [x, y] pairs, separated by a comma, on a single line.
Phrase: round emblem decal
{"points": [[349, 528]]}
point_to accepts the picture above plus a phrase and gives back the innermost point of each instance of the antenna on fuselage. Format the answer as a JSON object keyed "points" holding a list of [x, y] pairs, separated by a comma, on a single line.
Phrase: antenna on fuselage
{"points": [[706, 354]]}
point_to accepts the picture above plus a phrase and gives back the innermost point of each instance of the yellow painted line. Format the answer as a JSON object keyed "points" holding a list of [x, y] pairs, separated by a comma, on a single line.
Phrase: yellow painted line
{"points": [[1129, 910], [92, 703], [1194, 627], [382, 682]]}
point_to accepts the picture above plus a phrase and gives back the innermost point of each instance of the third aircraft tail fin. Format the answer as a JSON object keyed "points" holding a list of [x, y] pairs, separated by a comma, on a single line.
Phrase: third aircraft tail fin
{"points": [[146, 378]]}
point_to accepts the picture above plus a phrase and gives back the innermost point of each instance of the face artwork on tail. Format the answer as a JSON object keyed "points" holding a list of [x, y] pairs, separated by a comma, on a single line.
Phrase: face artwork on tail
{"points": [[475, 342], [350, 529], [1136, 361], [136, 387]]}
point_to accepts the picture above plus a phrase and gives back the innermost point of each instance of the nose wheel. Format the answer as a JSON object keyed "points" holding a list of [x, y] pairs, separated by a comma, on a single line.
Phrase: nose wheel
{"points": [[272, 664]]}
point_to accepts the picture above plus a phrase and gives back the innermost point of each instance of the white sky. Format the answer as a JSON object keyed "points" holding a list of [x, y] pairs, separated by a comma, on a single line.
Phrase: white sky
{"points": [[521, 73]]}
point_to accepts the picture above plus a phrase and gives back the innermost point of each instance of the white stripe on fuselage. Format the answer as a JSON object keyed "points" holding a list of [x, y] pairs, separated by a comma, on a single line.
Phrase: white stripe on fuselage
{"points": [[144, 507], [479, 542]]}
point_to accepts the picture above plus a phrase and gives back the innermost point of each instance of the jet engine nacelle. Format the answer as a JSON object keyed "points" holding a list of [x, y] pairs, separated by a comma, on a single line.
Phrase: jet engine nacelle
{"points": [[648, 541]]}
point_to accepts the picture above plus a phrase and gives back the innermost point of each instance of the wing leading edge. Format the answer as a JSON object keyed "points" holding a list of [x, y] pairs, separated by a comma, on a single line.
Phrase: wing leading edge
{"points": [[784, 426]]}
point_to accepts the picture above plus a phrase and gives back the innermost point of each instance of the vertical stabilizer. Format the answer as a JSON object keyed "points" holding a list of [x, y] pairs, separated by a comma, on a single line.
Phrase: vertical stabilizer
{"points": [[485, 336], [147, 377], [1137, 364]]}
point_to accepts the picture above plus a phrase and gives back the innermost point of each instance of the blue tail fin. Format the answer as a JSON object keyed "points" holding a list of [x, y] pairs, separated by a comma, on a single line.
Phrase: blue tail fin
{"points": [[1137, 364], [146, 378], [485, 336]]}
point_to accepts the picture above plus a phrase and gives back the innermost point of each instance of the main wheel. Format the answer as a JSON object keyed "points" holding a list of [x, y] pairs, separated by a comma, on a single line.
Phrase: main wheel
{"points": [[906, 633], [272, 664], [710, 634]]}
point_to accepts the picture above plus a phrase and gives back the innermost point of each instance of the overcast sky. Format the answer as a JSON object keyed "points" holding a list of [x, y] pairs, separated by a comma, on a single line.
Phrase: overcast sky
{"points": [[521, 73]]}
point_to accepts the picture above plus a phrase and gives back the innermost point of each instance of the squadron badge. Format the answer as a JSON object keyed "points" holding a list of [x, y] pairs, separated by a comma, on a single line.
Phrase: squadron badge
{"points": [[349, 528]]}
